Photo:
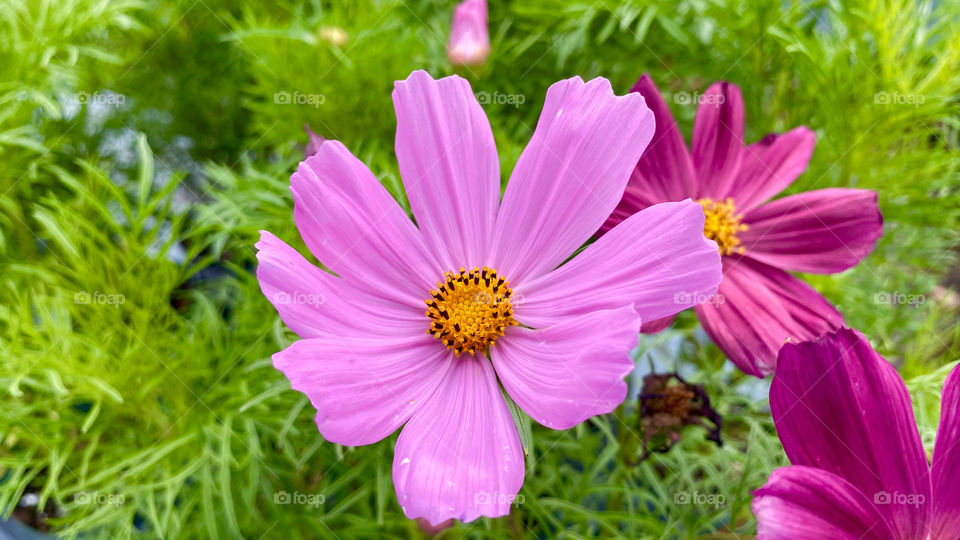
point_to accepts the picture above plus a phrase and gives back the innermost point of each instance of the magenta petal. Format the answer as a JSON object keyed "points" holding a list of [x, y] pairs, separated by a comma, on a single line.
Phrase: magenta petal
{"points": [[313, 302], [757, 309], [665, 171], [354, 227], [364, 388], [769, 165], [657, 325], [449, 166], [823, 232], [805, 503], [570, 177], [314, 144], [946, 462], [656, 260], [460, 455], [717, 141], [839, 406], [469, 42], [567, 373]]}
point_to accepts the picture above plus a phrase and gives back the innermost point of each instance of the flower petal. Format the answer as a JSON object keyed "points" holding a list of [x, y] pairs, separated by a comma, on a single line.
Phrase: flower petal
{"points": [[313, 302], [823, 232], [665, 170], [460, 454], [657, 325], [567, 373], [946, 462], [839, 406], [354, 227], [717, 142], [570, 177], [448, 162], [771, 164], [758, 308], [805, 503], [657, 260], [469, 42], [364, 387]]}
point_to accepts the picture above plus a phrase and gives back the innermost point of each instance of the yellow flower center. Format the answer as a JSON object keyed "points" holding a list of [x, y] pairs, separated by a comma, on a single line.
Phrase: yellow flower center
{"points": [[470, 310], [722, 225]]}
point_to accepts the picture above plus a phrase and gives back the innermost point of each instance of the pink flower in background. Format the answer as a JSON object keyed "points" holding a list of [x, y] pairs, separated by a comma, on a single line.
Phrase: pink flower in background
{"points": [[313, 145], [469, 40], [859, 470], [422, 324], [758, 306]]}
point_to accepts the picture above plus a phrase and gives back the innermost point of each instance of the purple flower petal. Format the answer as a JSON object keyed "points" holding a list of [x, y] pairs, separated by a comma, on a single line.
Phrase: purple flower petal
{"points": [[665, 171], [460, 456], [314, 303], [364, 387], [313, 146], [448, 162], [570, 177], [657, 260], [840, 407], [823, 232], [946, 463], [657, 325], [469, 42], [354, 227], [718, 140], [757, 309], [805, 503], [771, 164], [567, 373]]}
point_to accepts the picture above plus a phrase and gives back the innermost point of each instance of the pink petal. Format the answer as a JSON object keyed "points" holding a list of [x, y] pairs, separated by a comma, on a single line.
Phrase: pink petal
{"points": [[657, 325], [946, 462], [840, 407], [665, 171], [314, 303], [769, 165], [718, 139], [354, 227], [449, 166], [757, 309], [364, 387], [657, 260], [314, 143], [567, 373], [823, 232], [804, 503], [469, 40], [570, 177], [460, 455]]}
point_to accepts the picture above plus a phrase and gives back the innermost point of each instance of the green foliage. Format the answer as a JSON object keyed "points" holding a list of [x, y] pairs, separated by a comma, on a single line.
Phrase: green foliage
{"points": [[135, 342]]}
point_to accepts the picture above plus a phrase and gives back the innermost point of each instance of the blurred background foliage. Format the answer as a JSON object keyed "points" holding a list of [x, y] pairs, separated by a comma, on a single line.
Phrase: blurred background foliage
{"points": [[143, 145]]}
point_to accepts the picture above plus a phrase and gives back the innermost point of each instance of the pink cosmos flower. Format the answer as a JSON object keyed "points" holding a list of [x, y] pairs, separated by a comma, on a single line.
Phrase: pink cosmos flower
{"points": [[421, 321], [469, 43], [759, 305], [859, 470]]}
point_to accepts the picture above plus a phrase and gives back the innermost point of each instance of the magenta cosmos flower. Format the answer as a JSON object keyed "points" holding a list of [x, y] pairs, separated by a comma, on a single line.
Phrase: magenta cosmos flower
{"points": [[469, 39], [421, 321], [759, 305], [859, 470]]}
